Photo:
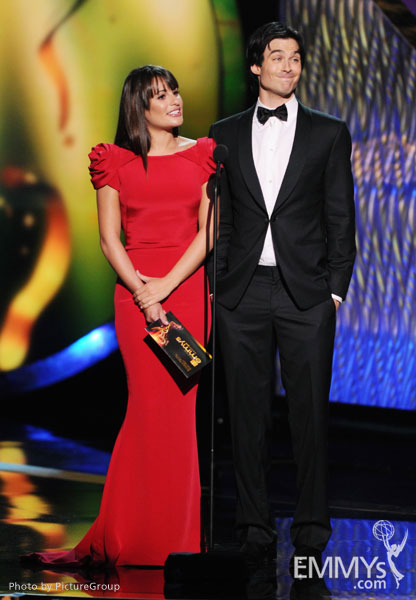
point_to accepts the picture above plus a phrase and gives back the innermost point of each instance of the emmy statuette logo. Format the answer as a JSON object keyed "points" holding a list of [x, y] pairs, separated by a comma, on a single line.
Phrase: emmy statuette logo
{"points": [[383, 531]]}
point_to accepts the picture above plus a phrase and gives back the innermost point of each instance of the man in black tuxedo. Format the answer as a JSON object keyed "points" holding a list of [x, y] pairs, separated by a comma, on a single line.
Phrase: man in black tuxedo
{"points": [[285, 256]]}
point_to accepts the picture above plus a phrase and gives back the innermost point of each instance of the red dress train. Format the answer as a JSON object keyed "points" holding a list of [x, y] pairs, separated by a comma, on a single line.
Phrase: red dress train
{"points": [[151, 499]]}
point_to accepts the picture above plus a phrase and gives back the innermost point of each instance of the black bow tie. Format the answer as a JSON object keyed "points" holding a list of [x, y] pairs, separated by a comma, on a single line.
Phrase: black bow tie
{"points": [[263, 114]]}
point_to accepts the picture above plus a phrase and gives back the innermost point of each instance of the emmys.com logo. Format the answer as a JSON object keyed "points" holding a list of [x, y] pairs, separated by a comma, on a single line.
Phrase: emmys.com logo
{"points": [[362, 569]]}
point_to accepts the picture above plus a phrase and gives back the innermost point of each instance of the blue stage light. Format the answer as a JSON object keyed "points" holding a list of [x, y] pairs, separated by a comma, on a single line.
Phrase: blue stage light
{"points": [[82, 354]]}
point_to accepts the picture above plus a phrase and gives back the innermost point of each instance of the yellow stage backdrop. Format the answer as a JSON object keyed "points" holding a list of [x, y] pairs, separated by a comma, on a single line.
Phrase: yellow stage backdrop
{"points": [[62, 66]]}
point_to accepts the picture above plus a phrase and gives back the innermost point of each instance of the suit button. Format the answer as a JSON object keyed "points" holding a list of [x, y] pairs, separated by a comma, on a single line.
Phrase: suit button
{"points": [[266, 220]]}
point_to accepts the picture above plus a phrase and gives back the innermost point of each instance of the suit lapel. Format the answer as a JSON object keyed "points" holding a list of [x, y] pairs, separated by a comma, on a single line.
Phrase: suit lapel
{"points": [[245, 154], [297, 156]]}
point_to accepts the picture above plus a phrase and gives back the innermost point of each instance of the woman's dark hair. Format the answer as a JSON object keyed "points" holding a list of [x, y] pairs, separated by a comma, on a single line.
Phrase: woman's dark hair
{"points": [[140, 85], [262, 37]]}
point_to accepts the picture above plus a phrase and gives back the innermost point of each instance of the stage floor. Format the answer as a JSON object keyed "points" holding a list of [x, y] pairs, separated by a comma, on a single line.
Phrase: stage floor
{"points": [[51, 488]]}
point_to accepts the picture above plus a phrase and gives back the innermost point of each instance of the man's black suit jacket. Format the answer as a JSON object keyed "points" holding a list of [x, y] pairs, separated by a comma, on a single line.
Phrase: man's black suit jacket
{"points": [[312, 224]]}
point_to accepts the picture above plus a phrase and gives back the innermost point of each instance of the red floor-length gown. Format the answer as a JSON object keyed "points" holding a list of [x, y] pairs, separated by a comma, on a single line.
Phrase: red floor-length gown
{"points": [[151, 499]]}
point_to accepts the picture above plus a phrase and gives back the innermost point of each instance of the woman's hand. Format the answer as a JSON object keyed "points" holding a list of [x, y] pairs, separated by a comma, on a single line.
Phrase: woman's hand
{"points": [[155, 312], [155, 290]]}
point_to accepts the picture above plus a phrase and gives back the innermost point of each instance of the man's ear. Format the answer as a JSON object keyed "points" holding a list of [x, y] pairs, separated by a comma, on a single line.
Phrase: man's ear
{"points": [[256, 69]]}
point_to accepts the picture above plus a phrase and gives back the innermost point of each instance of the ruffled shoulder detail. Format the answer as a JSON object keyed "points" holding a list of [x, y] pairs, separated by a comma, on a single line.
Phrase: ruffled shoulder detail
{"points": [[205, 147], [105, 160], [201, 153]]}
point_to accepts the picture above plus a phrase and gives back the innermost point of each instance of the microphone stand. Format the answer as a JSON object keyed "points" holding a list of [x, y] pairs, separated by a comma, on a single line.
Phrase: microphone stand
{"points": [[213, 337], [219, 155]]}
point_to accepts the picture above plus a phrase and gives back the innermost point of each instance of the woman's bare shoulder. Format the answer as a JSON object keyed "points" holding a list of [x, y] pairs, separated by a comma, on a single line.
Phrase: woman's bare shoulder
{"points": [[184, 143]]}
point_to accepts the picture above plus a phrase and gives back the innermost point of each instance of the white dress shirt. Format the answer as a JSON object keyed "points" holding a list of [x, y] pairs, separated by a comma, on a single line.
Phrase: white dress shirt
{"points": [[272, 145]]}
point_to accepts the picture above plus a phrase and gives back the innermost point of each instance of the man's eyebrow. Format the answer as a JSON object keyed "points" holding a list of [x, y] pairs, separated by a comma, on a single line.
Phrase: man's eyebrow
{"points": [[282, 51]]}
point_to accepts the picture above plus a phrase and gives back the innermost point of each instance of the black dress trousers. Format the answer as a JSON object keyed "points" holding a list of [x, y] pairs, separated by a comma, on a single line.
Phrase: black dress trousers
{"points": [[265, 319]]}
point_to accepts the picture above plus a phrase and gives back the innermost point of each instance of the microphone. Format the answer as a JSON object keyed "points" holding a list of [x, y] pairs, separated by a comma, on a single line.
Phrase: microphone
{"points": [[220, 153]]}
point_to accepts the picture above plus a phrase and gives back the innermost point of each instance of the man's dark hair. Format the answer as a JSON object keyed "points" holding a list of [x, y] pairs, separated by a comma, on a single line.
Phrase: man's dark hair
{"points": [[262, 37]]}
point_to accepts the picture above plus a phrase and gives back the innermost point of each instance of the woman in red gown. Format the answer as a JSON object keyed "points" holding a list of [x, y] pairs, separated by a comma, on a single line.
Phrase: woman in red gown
{"points": [[152, 184]]}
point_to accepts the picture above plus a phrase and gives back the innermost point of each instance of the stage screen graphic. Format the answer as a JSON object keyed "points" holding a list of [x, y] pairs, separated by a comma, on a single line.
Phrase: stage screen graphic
{"points": [[360, 68], [62, 67]]}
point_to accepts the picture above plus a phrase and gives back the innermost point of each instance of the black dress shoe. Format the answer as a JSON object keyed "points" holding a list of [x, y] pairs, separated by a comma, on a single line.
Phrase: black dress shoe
{"points": [[309, 589], [261, 584], [302, 556], [259, 555]]}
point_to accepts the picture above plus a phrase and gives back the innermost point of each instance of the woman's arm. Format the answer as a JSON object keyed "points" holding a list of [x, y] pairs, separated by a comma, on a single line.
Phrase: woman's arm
{"points": [[158, 288], [109, 222]]}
